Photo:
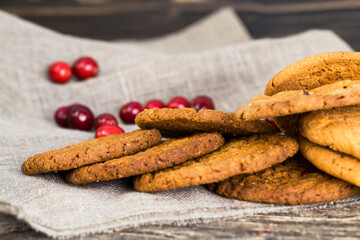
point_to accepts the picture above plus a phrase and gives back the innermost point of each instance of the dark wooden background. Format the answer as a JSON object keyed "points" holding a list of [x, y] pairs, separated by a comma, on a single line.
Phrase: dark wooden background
{"points": [[138, 19], [112, 19]]}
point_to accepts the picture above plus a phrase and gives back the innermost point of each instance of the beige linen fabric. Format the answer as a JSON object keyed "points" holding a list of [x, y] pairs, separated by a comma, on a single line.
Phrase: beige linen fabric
{"points": [[214, 57]]}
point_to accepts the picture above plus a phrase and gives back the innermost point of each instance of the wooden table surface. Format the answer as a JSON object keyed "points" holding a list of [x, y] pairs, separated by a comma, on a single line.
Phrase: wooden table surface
{"points": [[111, 19], [330, 223]]}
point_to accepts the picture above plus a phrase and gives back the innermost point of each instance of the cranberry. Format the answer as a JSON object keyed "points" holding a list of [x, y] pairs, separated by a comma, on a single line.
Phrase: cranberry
{"points": [[60, 72], [129, 111], [178, 102], [107, 130], [80, 117], [85, 68], [61, 115], [154, 103], [105, 119], [273, 124], [202, 102]]}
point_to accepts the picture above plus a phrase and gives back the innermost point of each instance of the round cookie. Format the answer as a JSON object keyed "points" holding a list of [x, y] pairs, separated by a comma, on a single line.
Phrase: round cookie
{"points": [[294, 181], [92, 151], [315, 71], [298, 101], [334, 163], [337, 128], [188, 120], [243, 155], [166, 154]]}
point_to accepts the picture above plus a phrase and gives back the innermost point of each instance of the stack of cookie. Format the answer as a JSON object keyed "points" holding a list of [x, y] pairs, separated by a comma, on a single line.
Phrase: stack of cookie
{"points": [[198, 135], [198, 155], [315, 100], [237, 154]]}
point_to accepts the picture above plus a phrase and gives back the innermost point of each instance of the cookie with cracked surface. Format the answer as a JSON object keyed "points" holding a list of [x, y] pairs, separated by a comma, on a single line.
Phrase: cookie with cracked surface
{"points": [[241, 155], [315, 71], [298, 101], [337, 164], [188, 120], [92, 151], [295, 181], [166, 154], [337, 128]]}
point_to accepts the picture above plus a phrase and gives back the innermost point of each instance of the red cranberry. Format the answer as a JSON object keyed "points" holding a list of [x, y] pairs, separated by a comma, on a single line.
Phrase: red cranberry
{"points": [[273, 124], [61, 115], [129, 111], [178, 102], [202, 102], [85, 67], [60, 72], [154, 103], [107, 130], [80, 117], [105, 119]]}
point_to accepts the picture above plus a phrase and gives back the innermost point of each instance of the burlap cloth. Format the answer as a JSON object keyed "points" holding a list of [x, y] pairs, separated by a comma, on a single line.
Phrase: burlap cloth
{"points": [[214, 56]]}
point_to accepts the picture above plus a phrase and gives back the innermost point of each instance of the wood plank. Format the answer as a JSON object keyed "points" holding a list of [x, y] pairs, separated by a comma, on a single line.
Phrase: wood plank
{"points": [[330, 223], [109, 19]]}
